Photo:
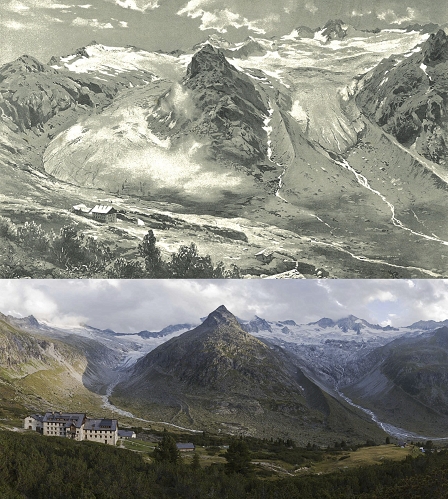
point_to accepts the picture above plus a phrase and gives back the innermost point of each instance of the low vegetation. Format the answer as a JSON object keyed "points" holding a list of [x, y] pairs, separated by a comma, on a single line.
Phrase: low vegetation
{"points": [[33, 466], [73, 254]]}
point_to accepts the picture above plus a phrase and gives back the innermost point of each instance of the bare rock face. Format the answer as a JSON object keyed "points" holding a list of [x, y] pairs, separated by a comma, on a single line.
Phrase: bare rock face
{"points": [[407, 97], [250, 47], [31, 93], [217, 371], [405, 382], [305, 32], [435, 49], [333, 30], [256, 325], [18, 348], [231, 110]]}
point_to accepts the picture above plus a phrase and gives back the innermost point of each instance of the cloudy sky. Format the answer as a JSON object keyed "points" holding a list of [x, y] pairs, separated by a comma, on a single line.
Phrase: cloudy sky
{"points": [[57, 27], [129, 306]]}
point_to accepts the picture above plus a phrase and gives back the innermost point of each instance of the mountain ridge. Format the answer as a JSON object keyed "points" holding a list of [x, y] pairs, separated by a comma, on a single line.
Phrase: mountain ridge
{"points": [[217, 371], [219, 376], [406, 380], [408, 100], [267, 140]]}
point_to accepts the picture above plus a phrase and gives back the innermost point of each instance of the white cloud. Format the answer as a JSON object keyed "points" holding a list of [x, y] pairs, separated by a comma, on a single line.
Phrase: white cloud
{"points": [[221, 19], [391, 17], [140, 5], [29, 6], [127, 306], [22, 301], [17, 7], [14, 25], [122, 24], [92, 23], [194, 8], [55, 5], [355, 13], [382, 295], [290, 6], [311, 7]]}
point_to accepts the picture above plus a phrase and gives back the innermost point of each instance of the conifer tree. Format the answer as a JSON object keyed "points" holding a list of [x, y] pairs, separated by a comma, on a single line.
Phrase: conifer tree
{"points": [[153, 260], [195, 464], [167, 451], [238, 457]]}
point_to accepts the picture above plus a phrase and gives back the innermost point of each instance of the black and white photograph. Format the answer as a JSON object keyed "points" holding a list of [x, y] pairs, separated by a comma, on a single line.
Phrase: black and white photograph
{"points": [[212, 139]]}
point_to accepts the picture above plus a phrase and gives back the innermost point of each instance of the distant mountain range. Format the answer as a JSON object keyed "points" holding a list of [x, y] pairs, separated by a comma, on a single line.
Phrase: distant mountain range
{"points": [[221, 377], [292, 145], [310, 376]]}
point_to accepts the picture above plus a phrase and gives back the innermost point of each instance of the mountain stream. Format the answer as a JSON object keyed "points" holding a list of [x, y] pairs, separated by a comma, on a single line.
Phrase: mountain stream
{"points": [[111, 407], [392, 430]]}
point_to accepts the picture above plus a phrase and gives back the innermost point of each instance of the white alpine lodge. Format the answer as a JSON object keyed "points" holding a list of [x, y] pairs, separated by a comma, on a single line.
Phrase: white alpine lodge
{"points": [[77, 426]]}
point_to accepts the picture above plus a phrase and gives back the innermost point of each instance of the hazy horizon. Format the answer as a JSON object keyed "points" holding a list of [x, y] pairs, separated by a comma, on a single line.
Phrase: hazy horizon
{"points": [[42, 28], [135, 305]]}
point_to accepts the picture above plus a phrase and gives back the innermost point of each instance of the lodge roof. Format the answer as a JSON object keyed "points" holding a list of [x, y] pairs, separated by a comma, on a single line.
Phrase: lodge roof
{"points": [[103, 209], [126, 433], [101, 424], [68, 418], [182, 446]]}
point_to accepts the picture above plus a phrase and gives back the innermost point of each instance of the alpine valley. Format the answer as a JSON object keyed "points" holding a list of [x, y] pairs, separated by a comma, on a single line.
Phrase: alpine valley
{"points": [[345, 379], [318, 153]]}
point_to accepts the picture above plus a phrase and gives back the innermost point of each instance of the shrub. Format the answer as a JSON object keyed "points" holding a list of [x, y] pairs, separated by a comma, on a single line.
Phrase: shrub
{"points": [[7, 228], [187, 264], [79, 253], [126, 269], [32, 236]]}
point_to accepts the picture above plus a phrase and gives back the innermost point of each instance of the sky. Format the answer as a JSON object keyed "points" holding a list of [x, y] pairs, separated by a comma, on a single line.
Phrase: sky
{"points": [[136, 305], [43, 28]]}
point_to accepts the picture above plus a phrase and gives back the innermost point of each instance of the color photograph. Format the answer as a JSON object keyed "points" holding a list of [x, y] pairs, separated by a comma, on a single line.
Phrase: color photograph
{"points": [[223, 388]]}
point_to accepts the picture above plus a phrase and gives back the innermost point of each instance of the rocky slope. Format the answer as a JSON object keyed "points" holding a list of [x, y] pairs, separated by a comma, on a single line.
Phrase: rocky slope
{"points": [[255, 146], [31, 93], [226, 106], [334, 30], [19, 351], [218, 376], [41, 373], [38, 101], [101, 351], [405, 382], [407, 97]]}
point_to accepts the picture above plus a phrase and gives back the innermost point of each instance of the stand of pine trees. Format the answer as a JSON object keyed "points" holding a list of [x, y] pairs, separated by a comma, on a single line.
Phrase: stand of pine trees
{"points": [[35, 467]]}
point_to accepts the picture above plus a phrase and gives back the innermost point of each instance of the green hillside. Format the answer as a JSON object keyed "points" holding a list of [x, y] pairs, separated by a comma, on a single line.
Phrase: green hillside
{"points": [[39, 467]]}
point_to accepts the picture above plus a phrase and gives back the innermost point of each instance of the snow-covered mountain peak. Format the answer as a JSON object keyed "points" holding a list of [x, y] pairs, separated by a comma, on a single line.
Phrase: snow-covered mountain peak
{"points": [[113, 61]]}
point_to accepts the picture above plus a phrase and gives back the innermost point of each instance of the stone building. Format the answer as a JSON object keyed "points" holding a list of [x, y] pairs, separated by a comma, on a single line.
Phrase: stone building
{"points": [[75, 426], [33, 422]]}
